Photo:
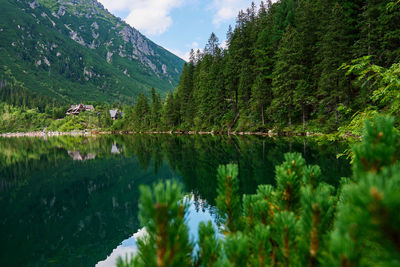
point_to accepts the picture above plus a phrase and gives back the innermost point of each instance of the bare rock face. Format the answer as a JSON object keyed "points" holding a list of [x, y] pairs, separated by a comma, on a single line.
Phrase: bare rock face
{"points": [[141, 49], [132, 36], [34, 4], [109, 55], [95, 25], [87, 73], [149, 63], [74, 36], [137, 45], [164, 69], [46, 61], [125, 54], [61, 11]]}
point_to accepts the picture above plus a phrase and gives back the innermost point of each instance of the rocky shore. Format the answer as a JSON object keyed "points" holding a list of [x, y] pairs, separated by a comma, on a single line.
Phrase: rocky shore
{"points": [[50, 134], [91, 132]]}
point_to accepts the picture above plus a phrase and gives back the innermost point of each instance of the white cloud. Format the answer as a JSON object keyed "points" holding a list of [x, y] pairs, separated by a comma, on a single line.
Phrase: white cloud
{"points": [[224, 45], [226, 10], [150, 16], [185, 55], [194, 45], [116, 5]]}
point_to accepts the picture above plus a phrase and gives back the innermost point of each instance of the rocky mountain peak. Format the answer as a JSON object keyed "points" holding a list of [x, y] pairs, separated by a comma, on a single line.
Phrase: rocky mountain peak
{"points": [[40, 32]]}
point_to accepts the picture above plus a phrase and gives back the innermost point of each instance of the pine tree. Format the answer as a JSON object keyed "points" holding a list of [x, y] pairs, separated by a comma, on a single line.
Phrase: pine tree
{"points": [[212, 46], [366, 224], [170, 112], [166, 240], [228, 201], [379, 34], [297, 223], [210, 246], [287, 76], [185, 93], [142, 113], [334, 49], [261, 92], [156, 106]]}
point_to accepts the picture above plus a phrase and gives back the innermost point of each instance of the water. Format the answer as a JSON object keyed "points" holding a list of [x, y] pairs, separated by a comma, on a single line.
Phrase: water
{"points": [[72, 201]]}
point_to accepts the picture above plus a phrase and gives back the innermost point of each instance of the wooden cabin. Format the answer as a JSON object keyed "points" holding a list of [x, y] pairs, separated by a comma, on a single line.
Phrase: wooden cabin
{"points": [[76, 109], [89, 107], [114, 113]]}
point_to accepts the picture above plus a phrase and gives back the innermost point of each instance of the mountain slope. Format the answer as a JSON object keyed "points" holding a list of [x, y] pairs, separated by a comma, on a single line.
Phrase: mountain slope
{"points": [[77, 51]]}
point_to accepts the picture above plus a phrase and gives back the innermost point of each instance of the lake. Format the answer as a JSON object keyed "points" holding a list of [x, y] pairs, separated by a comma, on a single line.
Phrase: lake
{"points": [[72, 201]]}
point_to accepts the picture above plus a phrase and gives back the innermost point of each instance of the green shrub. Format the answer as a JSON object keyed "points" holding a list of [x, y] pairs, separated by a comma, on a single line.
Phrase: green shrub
{"points": [[300, 222]]}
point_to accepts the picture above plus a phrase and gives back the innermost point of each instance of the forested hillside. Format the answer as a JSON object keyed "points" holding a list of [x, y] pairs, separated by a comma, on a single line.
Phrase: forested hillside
{"points": [[282, 67], [75, 51], [291, 66]]}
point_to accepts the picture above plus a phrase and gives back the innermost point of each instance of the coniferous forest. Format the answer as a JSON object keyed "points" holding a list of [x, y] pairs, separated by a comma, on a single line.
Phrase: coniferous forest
{"points": [[293, 65], [283, 66]]}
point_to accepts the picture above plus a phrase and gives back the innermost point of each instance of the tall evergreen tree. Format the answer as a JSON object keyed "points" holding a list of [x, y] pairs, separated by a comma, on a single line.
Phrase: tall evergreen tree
{"points": [[155, 109], [142, 113], [170, 112], [287, 76]]}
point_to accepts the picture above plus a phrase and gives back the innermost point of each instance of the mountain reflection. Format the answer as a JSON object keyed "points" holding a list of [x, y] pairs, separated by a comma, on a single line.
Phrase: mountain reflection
{"points": [[71, 200]]}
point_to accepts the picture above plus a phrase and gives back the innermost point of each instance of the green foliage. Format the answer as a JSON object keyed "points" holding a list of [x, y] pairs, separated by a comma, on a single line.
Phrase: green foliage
{"points": [[84, 53], [301, 222], [28, 167], [228, 200], [162, 213], [19, 119], [383, 82], [210, 246], [289, 179], [236, 248], [364, 230], [378, 148], [357, 121], [281, 69]]}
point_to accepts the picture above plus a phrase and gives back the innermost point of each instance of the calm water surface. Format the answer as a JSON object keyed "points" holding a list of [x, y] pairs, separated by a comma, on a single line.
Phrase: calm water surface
{"points": [[72, 201]]}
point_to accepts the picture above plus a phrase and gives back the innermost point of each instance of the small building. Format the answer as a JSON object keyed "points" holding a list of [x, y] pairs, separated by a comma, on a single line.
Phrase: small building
{"points": [[115, 114], [76, 109], [89, 107]]}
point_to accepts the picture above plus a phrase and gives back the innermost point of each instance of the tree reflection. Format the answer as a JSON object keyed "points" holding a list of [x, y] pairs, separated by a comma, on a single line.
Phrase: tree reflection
{"points": [[59, 210]]}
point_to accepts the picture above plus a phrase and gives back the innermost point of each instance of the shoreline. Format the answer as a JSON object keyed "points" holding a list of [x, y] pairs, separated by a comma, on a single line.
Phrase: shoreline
{"points": [[51, 134], [95, 132]]}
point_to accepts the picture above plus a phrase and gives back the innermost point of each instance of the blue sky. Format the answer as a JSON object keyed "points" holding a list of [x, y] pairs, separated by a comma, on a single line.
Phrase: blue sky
{"points": [[179, 25]]}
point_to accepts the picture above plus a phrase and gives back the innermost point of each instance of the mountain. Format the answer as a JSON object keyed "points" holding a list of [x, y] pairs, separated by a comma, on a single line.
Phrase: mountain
{"points": [[75, 50]]}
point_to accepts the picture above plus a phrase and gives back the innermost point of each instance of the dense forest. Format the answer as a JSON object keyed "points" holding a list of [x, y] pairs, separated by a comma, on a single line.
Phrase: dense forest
{"points": [[295, 66], [283, 67]]}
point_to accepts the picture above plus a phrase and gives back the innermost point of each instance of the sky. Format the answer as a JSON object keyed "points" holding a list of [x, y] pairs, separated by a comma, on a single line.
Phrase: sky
{"points": [[179, 25]]}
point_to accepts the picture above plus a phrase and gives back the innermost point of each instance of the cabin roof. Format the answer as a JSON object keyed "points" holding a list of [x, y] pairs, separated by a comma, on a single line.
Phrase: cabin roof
{"points": [[76, 109], [113, 113]]}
